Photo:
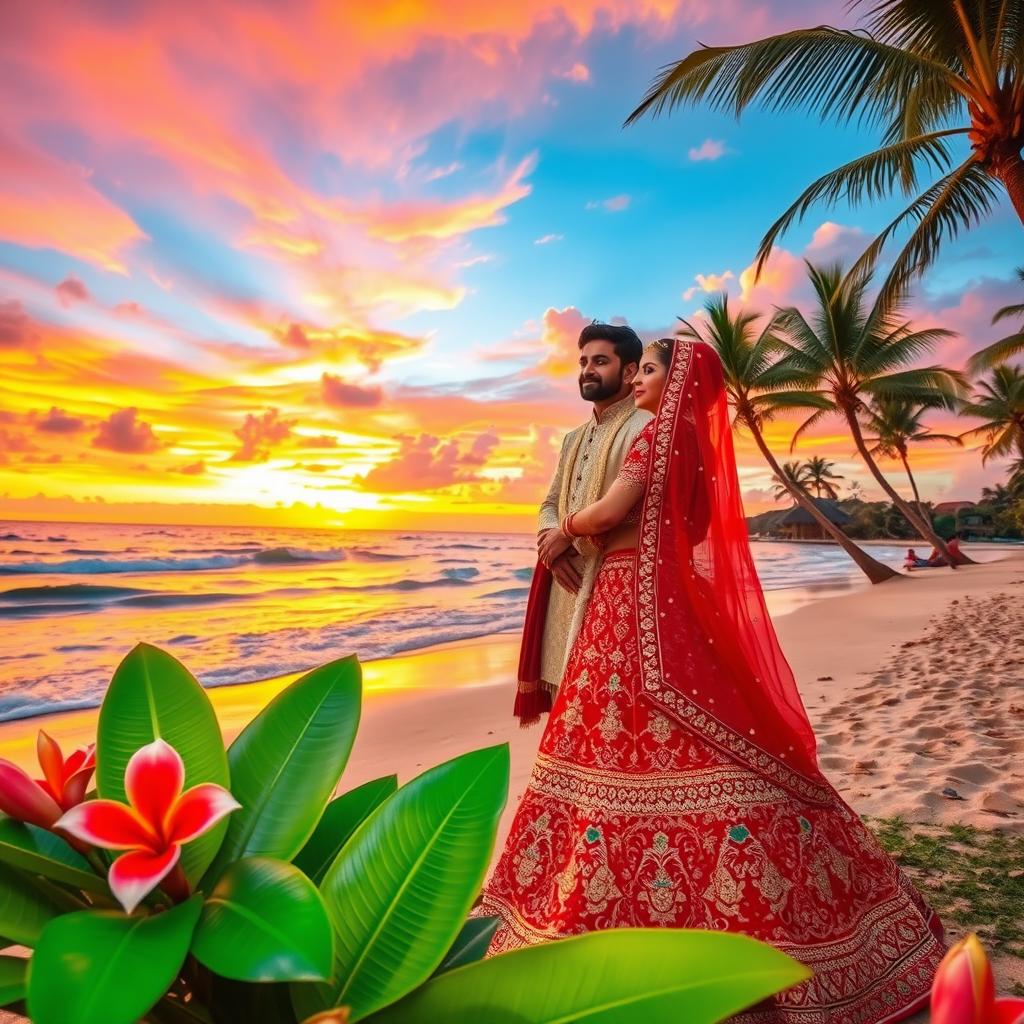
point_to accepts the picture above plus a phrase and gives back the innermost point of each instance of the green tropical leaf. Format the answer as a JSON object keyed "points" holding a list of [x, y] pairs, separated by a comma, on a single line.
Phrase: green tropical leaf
{"points": [[287, 761], [13, 971], [471, 944], [24, 909], [42, 853], [107, 968], [341, 818], [153, 695], [654, 975], [265, 921], [400, 890]]}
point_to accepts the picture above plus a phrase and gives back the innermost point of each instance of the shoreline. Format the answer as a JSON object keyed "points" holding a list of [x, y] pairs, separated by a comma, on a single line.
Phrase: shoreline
{"points": [[913, 686], [846, 644]]}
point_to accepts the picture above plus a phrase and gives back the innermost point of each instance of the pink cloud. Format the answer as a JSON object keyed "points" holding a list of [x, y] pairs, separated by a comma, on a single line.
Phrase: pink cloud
{"points": [[615, 204], [194, 468], [15, 325], [709, 149], [260, 434], [339, 393], [122, 431], [47, 204], [401, 222], [426, 463], [71, 290], [57, 421], [560, 341], [709, 284], [577, 73]]}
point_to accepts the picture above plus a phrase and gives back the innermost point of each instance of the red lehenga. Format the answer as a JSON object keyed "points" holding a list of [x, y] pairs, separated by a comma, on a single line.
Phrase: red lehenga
{"points": [[677, 784]]}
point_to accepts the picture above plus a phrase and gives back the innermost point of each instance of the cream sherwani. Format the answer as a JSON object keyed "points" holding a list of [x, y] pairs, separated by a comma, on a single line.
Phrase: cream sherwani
{"points": [[590, 460]]}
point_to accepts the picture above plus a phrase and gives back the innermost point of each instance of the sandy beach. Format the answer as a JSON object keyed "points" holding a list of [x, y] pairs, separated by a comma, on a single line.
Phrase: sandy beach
{"points": [[915, 689]]}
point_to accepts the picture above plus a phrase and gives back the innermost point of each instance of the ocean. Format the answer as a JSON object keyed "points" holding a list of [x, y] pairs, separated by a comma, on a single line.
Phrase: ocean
{"points": [[237, 604]]}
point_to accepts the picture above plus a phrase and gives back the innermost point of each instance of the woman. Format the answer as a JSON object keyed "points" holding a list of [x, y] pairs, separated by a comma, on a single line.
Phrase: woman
{"points": [[677, 782]]}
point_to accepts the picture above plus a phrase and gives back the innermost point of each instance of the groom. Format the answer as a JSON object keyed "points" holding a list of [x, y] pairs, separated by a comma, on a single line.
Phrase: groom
{"points": [[590, 459]]}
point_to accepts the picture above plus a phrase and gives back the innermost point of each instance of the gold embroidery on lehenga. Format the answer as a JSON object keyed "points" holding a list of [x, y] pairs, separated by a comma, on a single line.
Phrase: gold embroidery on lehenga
{"points": [[742, 857], [615, 792], [661, 892], [611, 722]]}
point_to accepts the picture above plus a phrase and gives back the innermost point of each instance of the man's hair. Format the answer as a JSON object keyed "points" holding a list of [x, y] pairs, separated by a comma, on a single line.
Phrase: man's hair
{"points": [[628, 347]]}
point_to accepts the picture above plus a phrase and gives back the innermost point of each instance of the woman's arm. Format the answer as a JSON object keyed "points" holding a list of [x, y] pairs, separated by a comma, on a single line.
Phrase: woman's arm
{"points": [[607, 512]]}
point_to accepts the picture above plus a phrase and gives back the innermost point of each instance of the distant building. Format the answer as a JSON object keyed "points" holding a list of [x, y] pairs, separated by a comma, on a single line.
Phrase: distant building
{"points": [[951, 508], [797, 524], [970, 523]]}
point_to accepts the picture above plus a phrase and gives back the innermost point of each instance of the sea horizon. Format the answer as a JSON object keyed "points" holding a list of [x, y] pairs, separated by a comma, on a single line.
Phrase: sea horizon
{"points": [[243, 604]]}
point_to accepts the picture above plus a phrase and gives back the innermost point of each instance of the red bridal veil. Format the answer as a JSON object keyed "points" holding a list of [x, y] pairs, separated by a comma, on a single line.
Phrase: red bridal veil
{"points": [[694, 563]]}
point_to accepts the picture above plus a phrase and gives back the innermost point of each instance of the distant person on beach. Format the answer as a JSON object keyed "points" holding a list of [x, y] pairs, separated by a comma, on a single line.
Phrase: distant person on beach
{"points": [[914, 560], [677, 781], [591, 457], [953, 547]]}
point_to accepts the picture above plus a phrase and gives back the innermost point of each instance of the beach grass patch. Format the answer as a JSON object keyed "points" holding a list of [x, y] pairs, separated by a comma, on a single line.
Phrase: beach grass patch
{"points": [[970, 876]]}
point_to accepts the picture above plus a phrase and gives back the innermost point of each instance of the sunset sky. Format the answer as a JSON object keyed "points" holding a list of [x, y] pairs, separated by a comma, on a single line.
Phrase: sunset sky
{"points": [[321, 264]]}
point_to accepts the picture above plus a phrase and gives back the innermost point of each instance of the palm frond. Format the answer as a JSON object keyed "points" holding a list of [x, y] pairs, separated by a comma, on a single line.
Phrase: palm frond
{"points": [[869, 177], [996, 353], [809, 424], [834, 72], [955, 202]]}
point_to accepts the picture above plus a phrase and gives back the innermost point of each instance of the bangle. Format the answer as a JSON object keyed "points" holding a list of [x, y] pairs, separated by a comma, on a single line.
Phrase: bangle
{"points": [[567, 526]]}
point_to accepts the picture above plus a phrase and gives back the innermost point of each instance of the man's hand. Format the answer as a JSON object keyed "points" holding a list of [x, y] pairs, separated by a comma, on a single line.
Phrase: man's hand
{"points": [[551, 544], [565, 572]]}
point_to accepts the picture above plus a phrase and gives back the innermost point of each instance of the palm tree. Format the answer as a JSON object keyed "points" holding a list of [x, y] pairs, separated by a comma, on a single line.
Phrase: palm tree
{"points": [[999, 401], [923, 72], [794, 474], [852, 352], [897, 424], [820, 476], [757, 390], [999, 351]]}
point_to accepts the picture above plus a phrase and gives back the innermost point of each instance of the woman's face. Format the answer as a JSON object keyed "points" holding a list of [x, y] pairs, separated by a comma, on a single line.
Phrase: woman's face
{"points": [[649, 383]]}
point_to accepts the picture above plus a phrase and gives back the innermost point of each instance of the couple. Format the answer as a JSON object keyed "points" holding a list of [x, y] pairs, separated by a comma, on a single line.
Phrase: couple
{"points": [[677, 782]]}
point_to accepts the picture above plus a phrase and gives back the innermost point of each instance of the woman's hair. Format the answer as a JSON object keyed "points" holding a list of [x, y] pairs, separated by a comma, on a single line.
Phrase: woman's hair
{"points": [[663, 349]]}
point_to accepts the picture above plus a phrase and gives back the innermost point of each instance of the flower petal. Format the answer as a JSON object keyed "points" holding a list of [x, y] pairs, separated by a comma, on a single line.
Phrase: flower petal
{"points": [[963, 990], [197, 810], [133, 875], [109, 824], [1008, 1011], [75, 787], [51, 760], [83, 757], [153, 781], [24, 799]]}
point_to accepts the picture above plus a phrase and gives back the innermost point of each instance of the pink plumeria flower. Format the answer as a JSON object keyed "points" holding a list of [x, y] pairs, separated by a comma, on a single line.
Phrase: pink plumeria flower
{"points": [[42, 801], [963, 991], [152, 827]]}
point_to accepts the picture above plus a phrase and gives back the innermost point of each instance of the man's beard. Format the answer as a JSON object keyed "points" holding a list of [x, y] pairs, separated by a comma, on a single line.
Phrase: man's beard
{"points": [[598, 391]]}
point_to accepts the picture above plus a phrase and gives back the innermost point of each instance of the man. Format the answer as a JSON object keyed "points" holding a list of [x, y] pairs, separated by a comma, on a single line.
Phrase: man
{"points": [[590, 459]]}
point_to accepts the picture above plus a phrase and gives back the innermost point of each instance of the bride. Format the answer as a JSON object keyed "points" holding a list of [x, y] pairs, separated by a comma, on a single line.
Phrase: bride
{"points": [[677, 782]]}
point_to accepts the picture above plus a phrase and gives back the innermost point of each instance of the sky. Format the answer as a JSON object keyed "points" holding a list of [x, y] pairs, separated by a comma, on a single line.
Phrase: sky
{"points": [[320, 264]]}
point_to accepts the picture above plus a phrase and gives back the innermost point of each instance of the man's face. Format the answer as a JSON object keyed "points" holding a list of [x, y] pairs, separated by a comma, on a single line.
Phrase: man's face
{"points": [[601, 372]]}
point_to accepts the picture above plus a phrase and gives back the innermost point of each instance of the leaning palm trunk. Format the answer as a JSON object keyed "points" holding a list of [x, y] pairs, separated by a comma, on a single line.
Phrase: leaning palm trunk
{"points": [[919, 523], [876, 572], [921, 510]]}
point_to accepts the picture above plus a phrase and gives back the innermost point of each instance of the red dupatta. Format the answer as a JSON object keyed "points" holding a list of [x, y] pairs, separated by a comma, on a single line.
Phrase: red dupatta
{"points": [[694, 564]]}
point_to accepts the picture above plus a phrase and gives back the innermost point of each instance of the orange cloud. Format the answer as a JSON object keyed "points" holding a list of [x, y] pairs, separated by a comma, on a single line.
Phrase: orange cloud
{"points": [[259, 434], [46, 204], [399, 223], [122, 431]]}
